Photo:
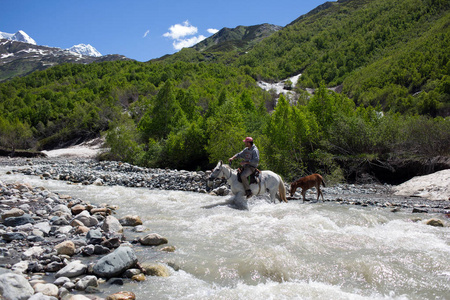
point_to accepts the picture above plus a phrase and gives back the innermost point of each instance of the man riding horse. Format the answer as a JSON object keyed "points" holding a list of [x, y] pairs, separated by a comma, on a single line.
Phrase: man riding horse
{"points": [[250, 156]]}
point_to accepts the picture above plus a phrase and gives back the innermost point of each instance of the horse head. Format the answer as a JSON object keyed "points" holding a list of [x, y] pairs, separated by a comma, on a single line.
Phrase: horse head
{"points": [[293, 188], [216, 171]]}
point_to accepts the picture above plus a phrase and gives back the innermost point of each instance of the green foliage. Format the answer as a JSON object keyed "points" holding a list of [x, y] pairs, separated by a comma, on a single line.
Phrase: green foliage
{"points": [[192, 109], [14, 135]]}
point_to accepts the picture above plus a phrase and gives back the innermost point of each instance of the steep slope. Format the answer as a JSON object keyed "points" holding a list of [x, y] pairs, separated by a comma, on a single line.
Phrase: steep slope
{"points": [[342, 42], [240, 38]]}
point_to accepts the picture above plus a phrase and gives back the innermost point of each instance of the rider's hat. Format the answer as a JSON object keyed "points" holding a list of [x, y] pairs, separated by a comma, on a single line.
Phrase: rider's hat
{"points": [[248, 139]]}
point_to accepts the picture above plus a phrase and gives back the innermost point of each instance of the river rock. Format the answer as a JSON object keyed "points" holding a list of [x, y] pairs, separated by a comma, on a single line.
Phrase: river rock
{"points": [[44, 227], [154, 269], [435, 222], [17, 221], [78, 297], [32, 252], [122, 296], [112, 243], [153, 239], [86, 282], [66, 248], [94, 236], [20, 267], [14, 212], [61, 208], [61, 280], [115, 263], [73, 269], [40, 296], [112, 225], [48, 289], [15, 287], [86, 219], [76, 209], [12, 236], [130, 220]]}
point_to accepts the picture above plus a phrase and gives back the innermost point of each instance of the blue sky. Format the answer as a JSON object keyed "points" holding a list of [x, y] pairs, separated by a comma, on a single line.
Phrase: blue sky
{"points": [[139, 29]]}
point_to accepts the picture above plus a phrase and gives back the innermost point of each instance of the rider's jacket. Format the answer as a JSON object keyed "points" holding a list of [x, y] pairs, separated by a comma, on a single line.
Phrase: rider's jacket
{"points": [[251, 155]]}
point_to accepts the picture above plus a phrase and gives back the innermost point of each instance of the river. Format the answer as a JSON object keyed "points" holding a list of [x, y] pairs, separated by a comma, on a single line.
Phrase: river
{"points": [[275, 251]]}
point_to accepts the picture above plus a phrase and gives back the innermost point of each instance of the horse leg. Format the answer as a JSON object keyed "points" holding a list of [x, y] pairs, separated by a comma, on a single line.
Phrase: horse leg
{"points": [[304, 195], [273, 194], [240, 201], [321, 194]]}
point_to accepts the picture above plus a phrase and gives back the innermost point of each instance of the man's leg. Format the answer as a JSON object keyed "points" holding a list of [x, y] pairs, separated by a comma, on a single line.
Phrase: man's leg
{"points": [[248, 170]]}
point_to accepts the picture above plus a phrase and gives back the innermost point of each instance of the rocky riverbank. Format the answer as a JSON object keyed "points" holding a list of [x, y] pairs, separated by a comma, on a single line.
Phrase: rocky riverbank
{"points": [[54, 246], [80, 247]]}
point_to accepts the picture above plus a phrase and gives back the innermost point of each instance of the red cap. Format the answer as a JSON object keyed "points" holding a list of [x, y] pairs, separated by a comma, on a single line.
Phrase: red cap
{"points": [[248, 139]]}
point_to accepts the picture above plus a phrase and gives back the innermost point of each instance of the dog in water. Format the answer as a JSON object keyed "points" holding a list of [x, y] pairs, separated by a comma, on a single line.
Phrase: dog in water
{"points": [[307, 182]]}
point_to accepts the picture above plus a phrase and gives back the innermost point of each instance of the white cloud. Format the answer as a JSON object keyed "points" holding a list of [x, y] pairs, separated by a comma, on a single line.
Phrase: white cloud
{"points": [[179, 31], [146, 33], [212, 30], [185, 43]]}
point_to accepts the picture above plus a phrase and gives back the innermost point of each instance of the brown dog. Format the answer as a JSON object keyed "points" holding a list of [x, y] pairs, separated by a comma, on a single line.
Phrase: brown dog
{"points": [[306, 183]]}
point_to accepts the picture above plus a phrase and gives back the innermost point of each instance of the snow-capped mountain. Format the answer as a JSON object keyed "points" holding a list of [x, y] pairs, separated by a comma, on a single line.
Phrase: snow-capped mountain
{"points": [[19, 36], [85, 50]]}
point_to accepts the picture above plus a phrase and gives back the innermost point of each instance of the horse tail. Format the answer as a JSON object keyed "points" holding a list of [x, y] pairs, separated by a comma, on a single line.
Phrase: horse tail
{"points": [[282, 190], [323, 182]]}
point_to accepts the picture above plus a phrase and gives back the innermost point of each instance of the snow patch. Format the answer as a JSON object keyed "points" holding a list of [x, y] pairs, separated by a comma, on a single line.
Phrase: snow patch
{"points": [[434, 186], [89, 149]]}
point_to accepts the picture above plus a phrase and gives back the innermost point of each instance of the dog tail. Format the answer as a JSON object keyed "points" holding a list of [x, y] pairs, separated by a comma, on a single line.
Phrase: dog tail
{"points": [[282, 190]]}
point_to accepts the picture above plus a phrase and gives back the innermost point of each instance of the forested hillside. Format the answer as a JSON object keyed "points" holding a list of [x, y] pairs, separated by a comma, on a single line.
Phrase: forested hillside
{"points": [[191, 109]]}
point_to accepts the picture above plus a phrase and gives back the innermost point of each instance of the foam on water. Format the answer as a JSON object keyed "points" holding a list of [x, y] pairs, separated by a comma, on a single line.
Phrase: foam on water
{"points": [[277, 251]]}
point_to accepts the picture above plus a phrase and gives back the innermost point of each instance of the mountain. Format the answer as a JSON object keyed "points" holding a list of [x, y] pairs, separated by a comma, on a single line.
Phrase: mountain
{"points": [[20, 59], [83, 49], [239, 38], [19, 36]]}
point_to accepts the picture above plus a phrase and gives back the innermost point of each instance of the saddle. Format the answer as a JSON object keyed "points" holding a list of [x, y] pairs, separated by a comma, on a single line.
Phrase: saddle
{"points": [[253, 178]]}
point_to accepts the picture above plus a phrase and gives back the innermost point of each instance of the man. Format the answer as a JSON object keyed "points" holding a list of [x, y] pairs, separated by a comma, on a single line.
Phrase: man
{"points": [[250, 154]]}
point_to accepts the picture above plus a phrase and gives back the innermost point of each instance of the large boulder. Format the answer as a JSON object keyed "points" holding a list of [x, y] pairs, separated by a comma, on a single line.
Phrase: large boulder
{"points": [[115, 263], [15, 287]]}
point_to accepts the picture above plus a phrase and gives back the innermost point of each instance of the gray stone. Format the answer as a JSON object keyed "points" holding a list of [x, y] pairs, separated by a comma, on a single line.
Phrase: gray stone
{"points": [[153, 239], [73, 269], [85, 282], [112, 225], [17, 221], [94, 236], [15, 287], [40, 296], [85, 218], [11, 236], [115, 263], [61, 208]]}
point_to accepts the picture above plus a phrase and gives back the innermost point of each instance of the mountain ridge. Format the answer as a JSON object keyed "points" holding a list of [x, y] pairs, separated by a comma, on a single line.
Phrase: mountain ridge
{"points": [[21, 59]]}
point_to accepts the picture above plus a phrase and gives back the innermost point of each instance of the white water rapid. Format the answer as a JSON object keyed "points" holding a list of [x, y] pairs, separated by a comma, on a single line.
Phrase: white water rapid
{"points": [[275, 251]]}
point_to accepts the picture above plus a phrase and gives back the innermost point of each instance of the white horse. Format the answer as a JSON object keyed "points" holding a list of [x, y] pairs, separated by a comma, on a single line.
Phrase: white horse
{"points": [[268, 182]]}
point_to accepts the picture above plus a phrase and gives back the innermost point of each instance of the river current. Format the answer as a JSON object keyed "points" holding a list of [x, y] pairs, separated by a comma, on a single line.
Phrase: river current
{"points": [[275, 251]]}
